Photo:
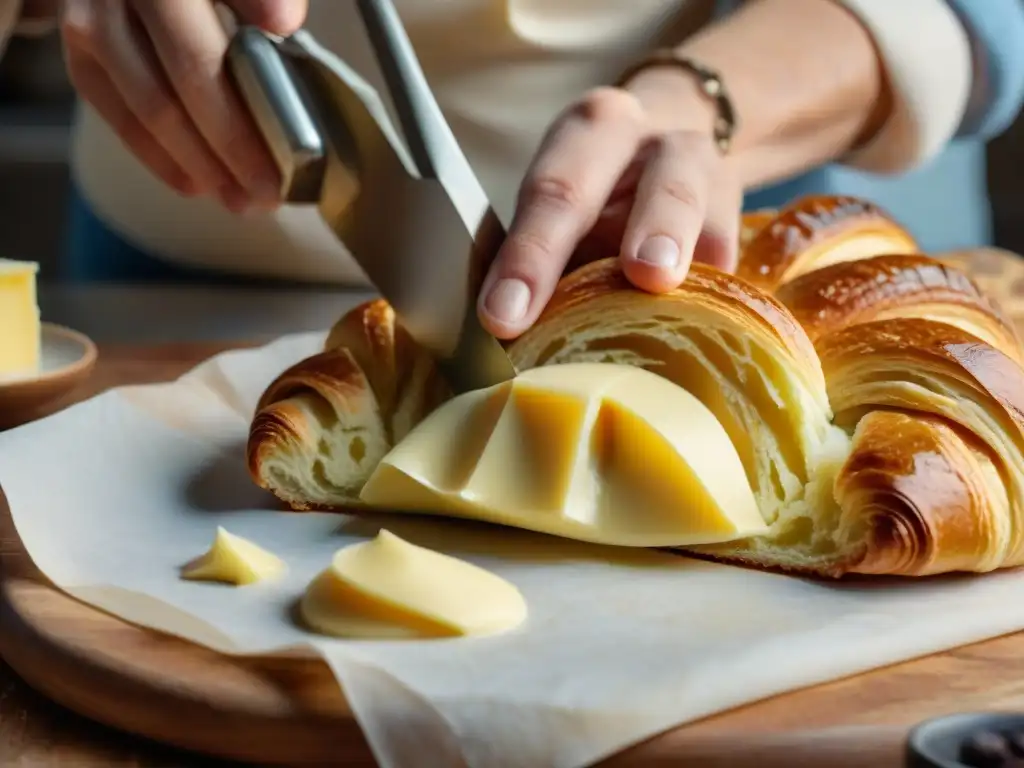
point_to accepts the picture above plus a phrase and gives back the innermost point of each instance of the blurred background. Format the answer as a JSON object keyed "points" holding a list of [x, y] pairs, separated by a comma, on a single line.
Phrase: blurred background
{"points": [[35, 115], [36, 111]]}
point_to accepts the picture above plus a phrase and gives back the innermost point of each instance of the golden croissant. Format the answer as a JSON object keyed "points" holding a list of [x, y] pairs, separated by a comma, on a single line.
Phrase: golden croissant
{"points": [[875, 395]]}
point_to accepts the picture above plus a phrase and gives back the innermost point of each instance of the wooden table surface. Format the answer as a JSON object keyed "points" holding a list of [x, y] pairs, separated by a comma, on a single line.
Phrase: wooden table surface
{"points": [[134, 327], [36, 733]]}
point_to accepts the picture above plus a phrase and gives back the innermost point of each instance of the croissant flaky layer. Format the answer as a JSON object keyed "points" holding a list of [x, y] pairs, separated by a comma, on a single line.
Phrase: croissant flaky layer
{"points": [[322, 426], [875, 395]]}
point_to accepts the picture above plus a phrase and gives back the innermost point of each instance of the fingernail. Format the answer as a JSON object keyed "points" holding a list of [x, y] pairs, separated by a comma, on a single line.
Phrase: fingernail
{"points": [[508, 300], [659, 251]]}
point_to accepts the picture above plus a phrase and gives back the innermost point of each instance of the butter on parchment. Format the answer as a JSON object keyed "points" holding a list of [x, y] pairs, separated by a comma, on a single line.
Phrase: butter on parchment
{"points": [[234, 560], [388, 588]]}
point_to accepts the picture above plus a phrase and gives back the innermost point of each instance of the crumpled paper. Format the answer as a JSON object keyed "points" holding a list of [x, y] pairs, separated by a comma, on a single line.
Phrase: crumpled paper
{"points": [[112, 496]]}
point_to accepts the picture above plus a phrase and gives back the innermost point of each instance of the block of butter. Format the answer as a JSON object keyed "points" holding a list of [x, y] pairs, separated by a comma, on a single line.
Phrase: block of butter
{"points": [[389, 588], [597, 452], [20, 333]]}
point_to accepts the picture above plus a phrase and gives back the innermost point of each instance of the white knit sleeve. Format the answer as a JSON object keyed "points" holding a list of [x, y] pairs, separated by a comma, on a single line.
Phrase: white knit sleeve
{"points": [[927, 57]]}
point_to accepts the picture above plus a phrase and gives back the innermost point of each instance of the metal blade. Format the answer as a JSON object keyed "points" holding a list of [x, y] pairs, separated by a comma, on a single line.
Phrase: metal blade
{"points": [[424, 242]]}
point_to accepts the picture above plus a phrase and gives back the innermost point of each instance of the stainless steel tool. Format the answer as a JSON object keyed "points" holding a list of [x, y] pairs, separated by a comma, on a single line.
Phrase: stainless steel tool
{"points": [[411, 212], [967, 740]]}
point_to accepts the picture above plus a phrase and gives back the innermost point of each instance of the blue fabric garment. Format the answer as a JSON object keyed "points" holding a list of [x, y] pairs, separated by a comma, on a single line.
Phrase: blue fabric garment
{"points": [[94, 252], [944, 203], [996, 28]]}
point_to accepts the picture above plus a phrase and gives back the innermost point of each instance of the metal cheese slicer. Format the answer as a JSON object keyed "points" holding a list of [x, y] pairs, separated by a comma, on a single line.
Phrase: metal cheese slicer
{"points": [[412, 212]]}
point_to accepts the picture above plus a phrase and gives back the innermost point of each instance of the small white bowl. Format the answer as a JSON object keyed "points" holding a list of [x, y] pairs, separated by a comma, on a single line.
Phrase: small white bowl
{"points": [[68, 358]]}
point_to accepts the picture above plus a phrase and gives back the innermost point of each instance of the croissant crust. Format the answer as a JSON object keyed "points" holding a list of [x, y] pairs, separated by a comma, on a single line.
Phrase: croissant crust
{"points": [[875, 394], [322, 425], [895, 285], [816, 231]]}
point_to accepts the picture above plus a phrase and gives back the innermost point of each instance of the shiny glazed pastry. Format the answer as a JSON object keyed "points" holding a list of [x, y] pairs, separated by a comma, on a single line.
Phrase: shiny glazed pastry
{"points": [[875, 396]]}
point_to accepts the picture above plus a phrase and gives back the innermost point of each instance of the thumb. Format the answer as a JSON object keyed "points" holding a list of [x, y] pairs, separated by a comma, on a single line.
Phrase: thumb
{"points": [[280, 17]]}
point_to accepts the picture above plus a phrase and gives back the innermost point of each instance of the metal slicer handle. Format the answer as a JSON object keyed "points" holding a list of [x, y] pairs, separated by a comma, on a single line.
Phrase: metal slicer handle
{"points": [[418, 112], [282, 112]]}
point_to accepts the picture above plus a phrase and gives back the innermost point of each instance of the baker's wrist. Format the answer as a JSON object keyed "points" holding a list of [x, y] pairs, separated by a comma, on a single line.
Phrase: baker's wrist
{"points": [[683, 93], [673, 99]]}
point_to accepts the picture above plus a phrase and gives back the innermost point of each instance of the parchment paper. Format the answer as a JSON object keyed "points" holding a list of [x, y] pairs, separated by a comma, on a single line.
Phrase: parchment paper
{"points": [[112, 496]]}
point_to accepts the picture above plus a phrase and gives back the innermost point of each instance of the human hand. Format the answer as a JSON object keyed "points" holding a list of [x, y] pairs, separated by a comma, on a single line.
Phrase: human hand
{"points": [[613, 176], [154, 70]]}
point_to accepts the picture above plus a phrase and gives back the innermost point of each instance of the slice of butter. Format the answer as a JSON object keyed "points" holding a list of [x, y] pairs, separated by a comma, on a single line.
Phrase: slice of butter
{"points": [[597, 452], [234, 560], [20, 334], [387, 588]]}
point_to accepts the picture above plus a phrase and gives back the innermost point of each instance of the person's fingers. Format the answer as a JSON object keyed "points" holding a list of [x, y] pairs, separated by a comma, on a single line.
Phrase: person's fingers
{"points": [[96, 87], [282, 17], [668, 212], [107, 34], [604, 238], [561, 197], [719, 240], [718, 244], [190, 44]]}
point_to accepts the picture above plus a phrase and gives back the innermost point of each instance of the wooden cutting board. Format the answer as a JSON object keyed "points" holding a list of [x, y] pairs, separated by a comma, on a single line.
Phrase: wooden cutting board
{"points": [[292, 713]]}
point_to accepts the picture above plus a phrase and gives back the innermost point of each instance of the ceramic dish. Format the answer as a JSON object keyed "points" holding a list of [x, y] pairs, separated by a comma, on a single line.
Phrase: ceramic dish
{"points": [[68, 358]]}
